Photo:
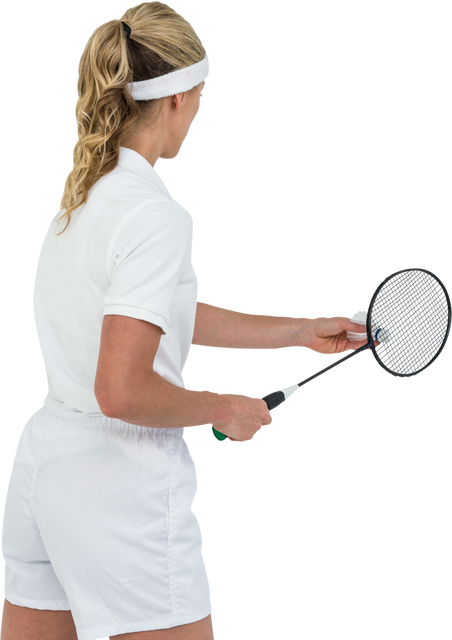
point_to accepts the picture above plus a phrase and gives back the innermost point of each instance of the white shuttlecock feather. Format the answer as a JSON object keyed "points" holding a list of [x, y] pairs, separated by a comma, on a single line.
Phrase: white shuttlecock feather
{"points": [[360, 317]]}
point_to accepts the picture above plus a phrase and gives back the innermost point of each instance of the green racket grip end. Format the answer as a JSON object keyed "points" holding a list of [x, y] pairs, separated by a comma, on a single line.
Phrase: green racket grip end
{"points": [[219, 437], [274, 399]]}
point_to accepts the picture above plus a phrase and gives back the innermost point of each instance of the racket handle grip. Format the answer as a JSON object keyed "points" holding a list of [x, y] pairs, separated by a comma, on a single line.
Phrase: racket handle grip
{"points": [[272, 401]]}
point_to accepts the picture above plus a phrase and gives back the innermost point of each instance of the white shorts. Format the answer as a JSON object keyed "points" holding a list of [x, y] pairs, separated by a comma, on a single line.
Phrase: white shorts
{"points": [[98, 521]]}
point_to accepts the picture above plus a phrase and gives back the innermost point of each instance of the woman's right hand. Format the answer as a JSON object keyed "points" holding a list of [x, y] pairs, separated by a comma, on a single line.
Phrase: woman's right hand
{"points": [[244, 417]]}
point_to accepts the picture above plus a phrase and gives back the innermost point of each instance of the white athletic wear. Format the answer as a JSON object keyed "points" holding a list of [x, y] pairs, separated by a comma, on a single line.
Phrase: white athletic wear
{"points": [[98, 520], [98, 513], [127, 251]]}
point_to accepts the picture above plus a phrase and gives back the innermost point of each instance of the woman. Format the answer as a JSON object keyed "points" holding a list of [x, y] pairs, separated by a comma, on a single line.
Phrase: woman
{"points": [[99, 535]]}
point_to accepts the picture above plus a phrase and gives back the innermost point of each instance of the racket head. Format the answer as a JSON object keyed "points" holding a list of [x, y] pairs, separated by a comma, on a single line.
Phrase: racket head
{"points": [[413, 309]]}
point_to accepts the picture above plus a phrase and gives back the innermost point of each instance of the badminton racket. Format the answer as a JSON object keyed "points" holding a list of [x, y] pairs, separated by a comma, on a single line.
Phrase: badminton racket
{"points": [[409, 317]]}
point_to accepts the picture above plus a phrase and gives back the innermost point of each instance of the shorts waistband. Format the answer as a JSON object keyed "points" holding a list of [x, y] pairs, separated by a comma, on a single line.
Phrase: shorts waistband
{"points": [[59, 411]]}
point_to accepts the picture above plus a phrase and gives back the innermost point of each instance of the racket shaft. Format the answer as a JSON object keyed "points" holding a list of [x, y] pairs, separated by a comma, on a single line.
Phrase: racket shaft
{"points": [[330, 366], [277, 397]]}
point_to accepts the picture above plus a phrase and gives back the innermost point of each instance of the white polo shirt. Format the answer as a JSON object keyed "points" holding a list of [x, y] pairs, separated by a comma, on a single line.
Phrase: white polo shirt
{"points": [[126, 251]]}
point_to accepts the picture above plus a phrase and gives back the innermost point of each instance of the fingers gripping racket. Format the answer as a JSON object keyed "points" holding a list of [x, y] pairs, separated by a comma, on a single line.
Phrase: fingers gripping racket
{"points": [[409, 316]]}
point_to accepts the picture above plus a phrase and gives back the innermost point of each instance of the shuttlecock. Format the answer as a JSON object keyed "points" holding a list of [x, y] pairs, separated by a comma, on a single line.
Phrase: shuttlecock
{"points": [[378, 333]]}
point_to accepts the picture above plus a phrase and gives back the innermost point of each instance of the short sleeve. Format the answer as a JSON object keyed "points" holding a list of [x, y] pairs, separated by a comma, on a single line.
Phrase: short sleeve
{"points": [[146, 263]]}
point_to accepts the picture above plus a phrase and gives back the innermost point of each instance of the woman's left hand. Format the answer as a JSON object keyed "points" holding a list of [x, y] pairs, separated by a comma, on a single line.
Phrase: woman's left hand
{"points": [[329, 335]]}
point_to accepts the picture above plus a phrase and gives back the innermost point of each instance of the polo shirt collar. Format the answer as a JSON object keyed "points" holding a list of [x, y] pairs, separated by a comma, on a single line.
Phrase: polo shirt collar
{"points": [[134, 161]]}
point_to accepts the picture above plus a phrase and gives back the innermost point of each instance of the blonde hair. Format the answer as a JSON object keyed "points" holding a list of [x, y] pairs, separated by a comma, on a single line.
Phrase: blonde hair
{"points": [[161, 41]]}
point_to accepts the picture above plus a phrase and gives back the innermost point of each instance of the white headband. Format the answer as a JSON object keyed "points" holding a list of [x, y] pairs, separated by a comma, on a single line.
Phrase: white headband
{"points": [[171, 83]]}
